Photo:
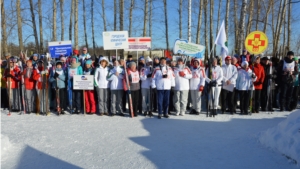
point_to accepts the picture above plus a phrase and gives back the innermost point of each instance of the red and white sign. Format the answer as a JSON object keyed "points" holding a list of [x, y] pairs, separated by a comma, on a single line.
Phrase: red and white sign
{"points": [[139, 44]]}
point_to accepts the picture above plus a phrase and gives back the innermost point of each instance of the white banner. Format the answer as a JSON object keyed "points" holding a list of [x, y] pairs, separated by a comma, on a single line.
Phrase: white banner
{"points": [[139, 44], [115, 40], [83, 82], [190, 49]]}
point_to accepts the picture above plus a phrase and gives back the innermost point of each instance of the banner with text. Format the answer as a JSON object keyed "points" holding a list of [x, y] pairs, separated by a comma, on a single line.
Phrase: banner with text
{"points": [[115, 40], [60, 48], [139, 44], [190, 49], [83, 82]]}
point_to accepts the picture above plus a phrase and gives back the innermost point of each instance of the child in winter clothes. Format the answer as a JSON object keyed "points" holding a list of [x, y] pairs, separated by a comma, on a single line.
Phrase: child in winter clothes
{"points": [[89, 95], [58, 79], [75, 69], [101, 84]]}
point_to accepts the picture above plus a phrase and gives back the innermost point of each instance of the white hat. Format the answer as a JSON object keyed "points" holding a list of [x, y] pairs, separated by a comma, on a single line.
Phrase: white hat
{"points": [[244, 63], [103, 58], [148, 59]]}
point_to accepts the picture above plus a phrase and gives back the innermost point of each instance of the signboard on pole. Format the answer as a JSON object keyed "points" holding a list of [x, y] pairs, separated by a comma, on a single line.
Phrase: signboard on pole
{"points": [[190, 49], [115, 40], [83, 82], [139, 44], [256, 42], [58, 48]]}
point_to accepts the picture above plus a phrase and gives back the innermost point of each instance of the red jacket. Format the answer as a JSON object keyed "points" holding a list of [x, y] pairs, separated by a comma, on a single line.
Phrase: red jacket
{"points": [[260, 73], [15, 72], [30, 82]]}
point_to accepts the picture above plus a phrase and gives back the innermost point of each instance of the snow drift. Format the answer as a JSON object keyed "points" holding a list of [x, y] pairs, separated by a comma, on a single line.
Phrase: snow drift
{"points": [[285, 137]]}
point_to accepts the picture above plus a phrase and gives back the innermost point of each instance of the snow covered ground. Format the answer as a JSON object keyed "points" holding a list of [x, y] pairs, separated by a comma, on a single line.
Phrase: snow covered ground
{"points": [[77, 141]]}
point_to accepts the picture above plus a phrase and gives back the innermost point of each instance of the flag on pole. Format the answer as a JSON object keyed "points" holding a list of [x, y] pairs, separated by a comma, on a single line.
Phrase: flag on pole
{"points": [[221, 40]]}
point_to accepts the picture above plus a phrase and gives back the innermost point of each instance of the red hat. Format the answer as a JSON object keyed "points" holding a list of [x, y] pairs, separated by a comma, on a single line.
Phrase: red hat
{"points": [[228, 58], [76, 52]]}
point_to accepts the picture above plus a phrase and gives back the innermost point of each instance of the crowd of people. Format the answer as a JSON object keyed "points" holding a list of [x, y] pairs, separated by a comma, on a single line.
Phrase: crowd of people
{"points": [[256, 82]]}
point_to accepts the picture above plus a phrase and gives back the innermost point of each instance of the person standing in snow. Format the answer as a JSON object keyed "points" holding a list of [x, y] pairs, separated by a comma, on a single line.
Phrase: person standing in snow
{"points": [[145, 74], [244, 85], [102, 85], [182, 75], [4, 96], [197, 84], [229, 78], [41, 93], [163, 79], [215, 82], [295, 95], [89, 95]]}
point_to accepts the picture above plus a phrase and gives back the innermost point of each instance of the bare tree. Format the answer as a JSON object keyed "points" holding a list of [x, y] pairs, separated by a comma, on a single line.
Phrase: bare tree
{"points": [[249, 24], [54, 21], [242, 26], [62, 20], [145, 18], [166, 23], [180, 18], [41, 25], [150, 22], [115, 14], [199, 22], [211, 23], [104, 17], [268, 9], [34, 25], [130, 17], [19, 18], [71, 19], [92, 20], [258, 7], [84, 23], [206, 29], [289, 25], [218, 20], [226, 16], [278, 28], [121, 15], [76, 25], [3, 28]]}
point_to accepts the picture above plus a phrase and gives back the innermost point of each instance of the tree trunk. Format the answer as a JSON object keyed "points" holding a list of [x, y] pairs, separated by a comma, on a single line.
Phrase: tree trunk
{"points": [[289, 26], [54, 21], [84, 24], [76, 25], [19, 18], [71, 19], [93, 31], [190, 22], [218, 20], [199, 22], [145, 18], [236, 28], [104, 17], [242, 26], [206, 31], [180, 19], [130, 17], [115, 14], [226, 16], [249, 24], [166, 23], [3, 28], [282, 12], [258, 13], [211, 23], [150, 23], [62, 20], [121, 15], [41, 26], [34, 26], [267, 15]]}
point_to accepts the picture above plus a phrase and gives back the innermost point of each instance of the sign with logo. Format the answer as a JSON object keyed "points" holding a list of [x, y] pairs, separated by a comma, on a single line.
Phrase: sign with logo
{"points": [[139, 44], [190, 49], [83, 82], [115, 40], [256, 42], [60, 48]]}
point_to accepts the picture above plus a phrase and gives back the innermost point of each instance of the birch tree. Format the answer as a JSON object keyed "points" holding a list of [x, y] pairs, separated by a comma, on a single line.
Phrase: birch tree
{"points": [[41, 25], [226, 16], [62, 20], [34, 25], [71, 19], [104, 17], [19, 23], [84, 23], [76, 25], [3, 29], [211, 23], [145, 18], [180, 18], [130, 17], [121, 15], [92, 23], [242, 26], [199, 22], [54, 21], [166, 23]]}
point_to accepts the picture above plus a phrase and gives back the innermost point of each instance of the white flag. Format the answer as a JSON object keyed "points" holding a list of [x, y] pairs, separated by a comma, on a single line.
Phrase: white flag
{"points": [[221, 40]]}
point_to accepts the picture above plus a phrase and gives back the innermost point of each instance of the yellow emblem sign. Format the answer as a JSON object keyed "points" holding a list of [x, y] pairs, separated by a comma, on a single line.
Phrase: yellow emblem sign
{"points": [[256, 42]]}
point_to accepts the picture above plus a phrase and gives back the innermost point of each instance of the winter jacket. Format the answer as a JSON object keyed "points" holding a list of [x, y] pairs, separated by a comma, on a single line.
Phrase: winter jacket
{"points": [[285, 66], [161, 83], [15, 72], [269, 75], [72, 70], [30, 78], [229, 73], [182, 83], [60, 81], [217, 74], [296, 83], [145, 72], [3, 82], [198, 78], [134, 80], [116, 82], [100, 77], [244, 80], [259, 71]]}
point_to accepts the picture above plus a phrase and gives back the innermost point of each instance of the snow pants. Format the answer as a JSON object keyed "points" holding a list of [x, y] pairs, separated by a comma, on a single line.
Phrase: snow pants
{"points": [[135, 94], [244, 100], [180, 100], [30, 100], [4, 98], [196, 100], [146, 99], [214, 97], [76, 97], [162, 101], [286, 91], [102, 99], [227, 98], [90, 104], [116, 101]]}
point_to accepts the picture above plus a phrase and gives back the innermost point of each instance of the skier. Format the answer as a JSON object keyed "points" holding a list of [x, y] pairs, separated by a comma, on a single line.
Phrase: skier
{"points": [[115, 76], [197, 84], [182, 75], [102, 85], [163, 79], [259, 71], [90, 104]]}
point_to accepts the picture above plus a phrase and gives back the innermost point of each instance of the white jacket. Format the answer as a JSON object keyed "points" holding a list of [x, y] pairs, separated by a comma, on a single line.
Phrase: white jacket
{"points": [[161, 83], [216, 74], [244, 80], [229, 73], [198, 78], [182, 83], [116, 82], [100, 77], [146, 81]]}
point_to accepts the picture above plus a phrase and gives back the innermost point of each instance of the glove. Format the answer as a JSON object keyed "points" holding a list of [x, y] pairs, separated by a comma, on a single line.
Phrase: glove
{"points": [[201, 88], [213, 83], [42, 72], [55, 75], [253, 76], [128, 91], [172, 88], [181, 73], [149, 75]]}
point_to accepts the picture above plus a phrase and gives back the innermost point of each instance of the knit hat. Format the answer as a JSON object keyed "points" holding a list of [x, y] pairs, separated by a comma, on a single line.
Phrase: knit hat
{"points": [[58, 63], [290, 53], [141, 58], [75, 52], [88, 62], [103, 59], [244, 63], [148, 59], [84, 48], [131, 64]]}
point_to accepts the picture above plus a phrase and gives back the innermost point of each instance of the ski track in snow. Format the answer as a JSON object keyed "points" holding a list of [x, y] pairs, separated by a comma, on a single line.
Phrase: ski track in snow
{"points": [[78, 141]]}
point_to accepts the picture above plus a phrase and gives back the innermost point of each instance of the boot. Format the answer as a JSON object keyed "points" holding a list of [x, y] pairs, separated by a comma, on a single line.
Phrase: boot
{"points": [[150, 114], [145, 113]]}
